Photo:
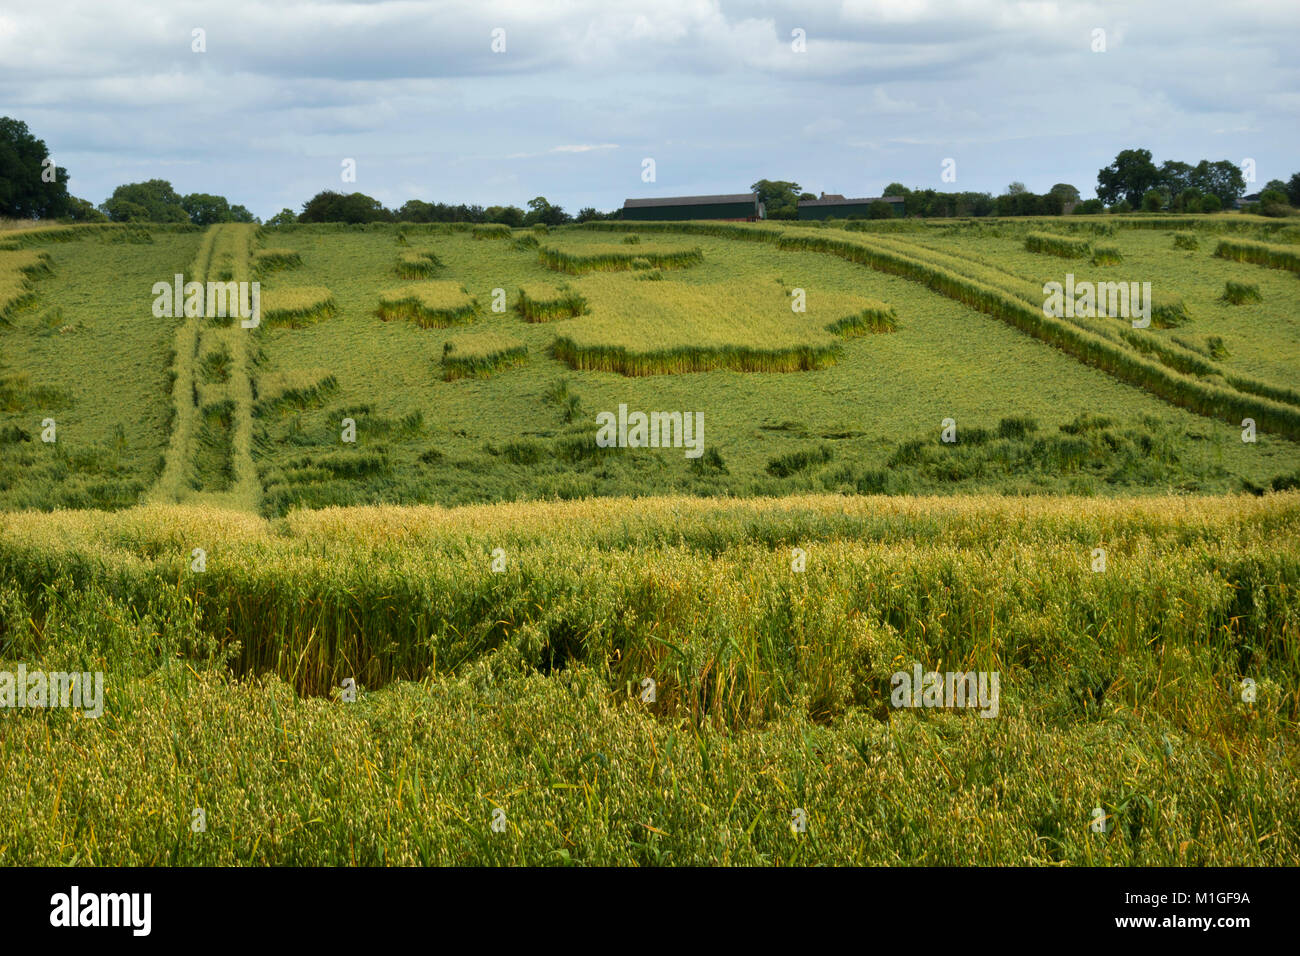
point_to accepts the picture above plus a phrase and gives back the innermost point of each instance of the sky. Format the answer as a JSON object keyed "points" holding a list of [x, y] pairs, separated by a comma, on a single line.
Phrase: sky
{"points": [[842, 97]]}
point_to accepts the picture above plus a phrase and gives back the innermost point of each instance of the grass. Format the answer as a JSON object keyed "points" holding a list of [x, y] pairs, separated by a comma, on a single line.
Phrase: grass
{"points": [[480, 354], [1260, 253], [880, 391], [1106, 256], [520, 690], [417, 264], [541, 302], [1168, 311], [209, 457], [1241, 293], [589, 257], [876, 317], [494, 230], [875, 392], [1206, 397], [435, 304], [1067, 247], [640, 329], [269, 261], [18, 270], [298, 306]]}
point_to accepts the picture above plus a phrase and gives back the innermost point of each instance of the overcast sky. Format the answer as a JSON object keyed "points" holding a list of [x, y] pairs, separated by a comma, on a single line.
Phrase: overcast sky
{"points": [[585, 90]]}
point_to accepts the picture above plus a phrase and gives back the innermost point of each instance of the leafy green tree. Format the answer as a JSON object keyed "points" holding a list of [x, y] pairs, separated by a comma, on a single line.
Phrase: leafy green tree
{"points": [[895, 189], [1127, 178], [1293, 190], [1019, 201], [780, 198], [156, 197], [1153, 200], [282, 218], [1189, 200], [205, 209], [880, 210], [24, 192], [330, 206], [1211, 203], [539, 210], [123, 210], [1223, 178], [1060, 196], [511, 216], [83, 210], [1175, 178], [1272, 202], [1090, 207]]}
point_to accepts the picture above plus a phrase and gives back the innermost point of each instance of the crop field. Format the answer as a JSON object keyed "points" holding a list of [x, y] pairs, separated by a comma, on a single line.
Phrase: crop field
{"points": [[371, 551], [1119, 690]]}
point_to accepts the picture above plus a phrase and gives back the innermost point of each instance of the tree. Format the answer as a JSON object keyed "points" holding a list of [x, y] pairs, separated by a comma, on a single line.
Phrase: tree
{"points": [[1223, 178], [1211, 203], [590, 214], [880, 210], [511, 216], [780, 198], [123, 210], [1060, 196], [284, 217], [1090, 207], [896, 189], [1272, 202], [1293, 189], [24, 171], [540, 210], [1127, 178], [1121, 207], [205, 209], [1189, 200], [1175, 178], [157, 199], [242, 214], [330, 206], [1019, 201], [1153, 200], [83, 210], [1276, 185]]}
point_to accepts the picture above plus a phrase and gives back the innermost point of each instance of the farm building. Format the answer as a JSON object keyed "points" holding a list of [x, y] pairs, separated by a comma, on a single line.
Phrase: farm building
{"points": [[743, 206], [829, 206]]}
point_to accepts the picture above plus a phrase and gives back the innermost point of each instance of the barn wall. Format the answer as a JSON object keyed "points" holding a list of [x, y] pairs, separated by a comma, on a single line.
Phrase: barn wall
{"points": [[710, 211]]}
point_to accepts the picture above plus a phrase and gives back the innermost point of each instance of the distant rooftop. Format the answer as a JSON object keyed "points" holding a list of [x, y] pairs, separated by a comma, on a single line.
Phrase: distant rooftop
{"points": [[689, 200]]}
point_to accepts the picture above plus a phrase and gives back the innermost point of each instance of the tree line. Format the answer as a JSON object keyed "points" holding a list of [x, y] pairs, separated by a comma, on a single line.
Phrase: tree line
{"points": [[32, 187]]}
